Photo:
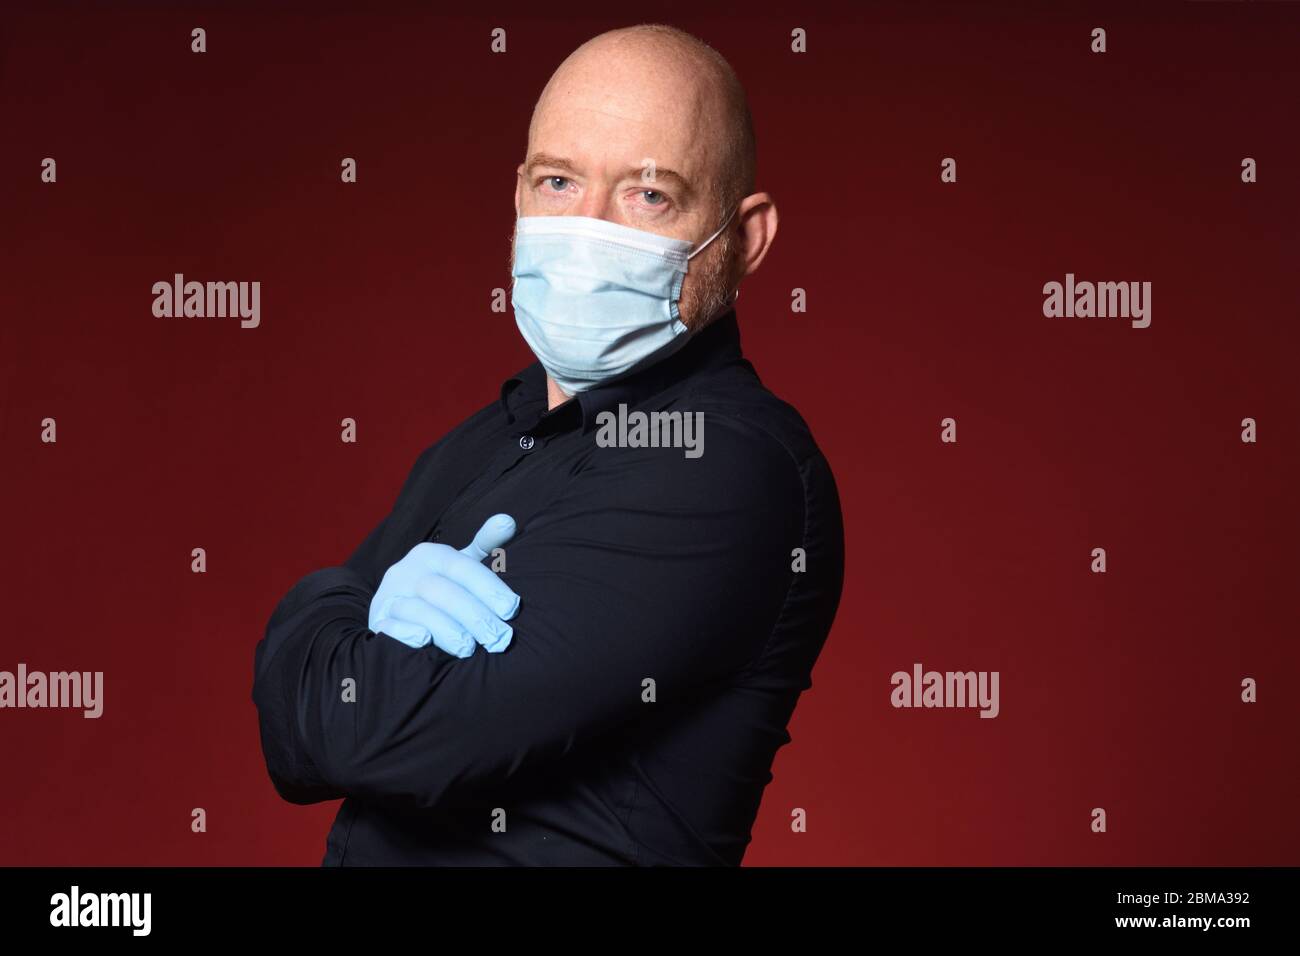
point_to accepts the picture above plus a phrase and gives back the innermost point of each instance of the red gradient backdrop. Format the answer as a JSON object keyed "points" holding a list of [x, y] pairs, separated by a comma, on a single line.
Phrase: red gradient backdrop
{"points": [[1118, 690]]}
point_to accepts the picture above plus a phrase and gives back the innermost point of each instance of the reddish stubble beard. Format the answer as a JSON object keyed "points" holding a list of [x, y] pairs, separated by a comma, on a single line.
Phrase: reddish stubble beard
{"points": [[707, 292]]}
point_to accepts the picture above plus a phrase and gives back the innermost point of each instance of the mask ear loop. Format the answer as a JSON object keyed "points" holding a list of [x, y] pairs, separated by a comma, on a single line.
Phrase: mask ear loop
{"points": [[716, 233]]}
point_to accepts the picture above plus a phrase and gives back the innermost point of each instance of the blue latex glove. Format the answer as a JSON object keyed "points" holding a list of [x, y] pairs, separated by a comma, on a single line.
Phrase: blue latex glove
{"points": [[449, 597]]}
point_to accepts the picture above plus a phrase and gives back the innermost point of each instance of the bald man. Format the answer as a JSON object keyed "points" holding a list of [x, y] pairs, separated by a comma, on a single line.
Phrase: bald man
{"points": [[580, 634]]}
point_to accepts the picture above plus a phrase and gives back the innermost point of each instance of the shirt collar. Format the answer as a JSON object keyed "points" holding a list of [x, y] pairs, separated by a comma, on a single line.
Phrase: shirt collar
{"points": [[717, 344]]}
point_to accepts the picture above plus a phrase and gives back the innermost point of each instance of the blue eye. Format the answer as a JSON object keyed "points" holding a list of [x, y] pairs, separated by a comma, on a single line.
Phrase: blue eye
{"points": [[557, 179], [653, 202]]}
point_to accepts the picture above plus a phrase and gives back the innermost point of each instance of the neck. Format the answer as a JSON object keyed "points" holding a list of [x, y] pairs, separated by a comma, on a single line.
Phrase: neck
{"points": [[554, 396]]}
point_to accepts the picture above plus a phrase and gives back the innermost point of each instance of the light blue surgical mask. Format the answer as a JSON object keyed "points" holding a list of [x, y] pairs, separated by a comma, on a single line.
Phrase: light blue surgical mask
{"points": [[596, 300]]}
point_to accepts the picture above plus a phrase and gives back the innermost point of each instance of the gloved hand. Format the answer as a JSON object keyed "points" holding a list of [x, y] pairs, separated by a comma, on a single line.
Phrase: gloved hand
{"points": [[449, 597]]}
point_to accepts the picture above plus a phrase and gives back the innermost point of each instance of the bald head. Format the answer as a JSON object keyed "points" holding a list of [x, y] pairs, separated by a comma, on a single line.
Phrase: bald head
{"points": [[678, 89]]}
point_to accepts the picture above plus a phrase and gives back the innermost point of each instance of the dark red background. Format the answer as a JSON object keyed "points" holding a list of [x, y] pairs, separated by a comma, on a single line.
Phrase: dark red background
{"points": [[1118, 690]]}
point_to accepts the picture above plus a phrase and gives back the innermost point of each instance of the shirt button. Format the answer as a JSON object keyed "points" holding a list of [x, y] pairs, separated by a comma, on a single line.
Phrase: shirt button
{"points": [[525, 442]]}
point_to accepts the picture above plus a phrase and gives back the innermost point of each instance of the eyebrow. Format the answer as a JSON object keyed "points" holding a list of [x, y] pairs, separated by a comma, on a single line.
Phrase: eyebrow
{"points": [[661, 172]]}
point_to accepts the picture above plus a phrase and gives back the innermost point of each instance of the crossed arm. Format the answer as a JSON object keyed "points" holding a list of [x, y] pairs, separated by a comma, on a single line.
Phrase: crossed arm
{"points": [[682, 597]]}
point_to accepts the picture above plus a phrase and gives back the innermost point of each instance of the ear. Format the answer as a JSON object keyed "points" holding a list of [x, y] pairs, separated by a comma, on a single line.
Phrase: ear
{"points": [[519, 182], [758, 220]]}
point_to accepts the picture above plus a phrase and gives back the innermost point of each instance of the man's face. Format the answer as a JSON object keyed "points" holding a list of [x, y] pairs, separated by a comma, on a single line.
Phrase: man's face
{"points": [[636, 139]]}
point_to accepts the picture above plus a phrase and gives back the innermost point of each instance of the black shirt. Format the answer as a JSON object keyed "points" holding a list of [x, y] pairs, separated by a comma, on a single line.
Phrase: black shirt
{"points": [[673, 602]]}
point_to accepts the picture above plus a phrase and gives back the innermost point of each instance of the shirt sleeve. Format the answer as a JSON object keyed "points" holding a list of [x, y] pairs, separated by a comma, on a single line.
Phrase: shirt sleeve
{"points": [[649, 579], [325, 603]]}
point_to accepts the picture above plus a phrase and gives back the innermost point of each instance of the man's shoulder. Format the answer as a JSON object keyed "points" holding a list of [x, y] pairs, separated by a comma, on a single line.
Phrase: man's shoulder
{"points": [[740, 402], [727, 438]]}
